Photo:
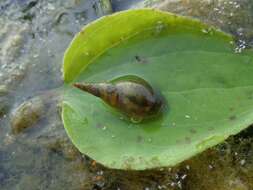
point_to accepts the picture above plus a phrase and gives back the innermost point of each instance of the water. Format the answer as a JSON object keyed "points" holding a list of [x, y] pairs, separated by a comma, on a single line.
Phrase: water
{"points": [[33, 38], [119, 5]]}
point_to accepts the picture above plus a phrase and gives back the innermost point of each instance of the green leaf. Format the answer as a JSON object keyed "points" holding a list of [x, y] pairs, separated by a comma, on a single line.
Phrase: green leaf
{"points": [[208, 88]]}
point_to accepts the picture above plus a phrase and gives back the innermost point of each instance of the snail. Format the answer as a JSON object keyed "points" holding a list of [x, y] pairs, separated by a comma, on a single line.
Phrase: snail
{"points": [[130, 94]]}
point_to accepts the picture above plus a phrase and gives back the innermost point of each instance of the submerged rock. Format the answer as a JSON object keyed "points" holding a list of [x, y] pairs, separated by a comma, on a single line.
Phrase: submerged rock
{"points": [[27, 114], [4, 100], [33, 38], [30, 112], [3, 90], [232, 16], [4, 105], [13, 37]]}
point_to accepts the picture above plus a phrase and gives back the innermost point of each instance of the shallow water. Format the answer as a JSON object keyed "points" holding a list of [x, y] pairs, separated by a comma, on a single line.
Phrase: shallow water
{"points": [[33, 38]]}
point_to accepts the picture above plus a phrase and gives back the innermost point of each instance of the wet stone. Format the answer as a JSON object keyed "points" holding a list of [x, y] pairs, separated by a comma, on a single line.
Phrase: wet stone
{"points": [[65, 148], [33, 37], [2, 176], [3, 90], [13, 37], [27, 114], [4, 105]]}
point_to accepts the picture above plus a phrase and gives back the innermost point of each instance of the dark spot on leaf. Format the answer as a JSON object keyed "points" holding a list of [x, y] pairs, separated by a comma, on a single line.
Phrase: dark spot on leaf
{"points": [[193, 131], [178, 142], [238, 98], [221, 80], [137, 58], [98, 125], [139, 139], [231, 108], [249, 92], [250, 96], [84, 121], [210, 129], [187, 140], [232, 117], [140, 59]]}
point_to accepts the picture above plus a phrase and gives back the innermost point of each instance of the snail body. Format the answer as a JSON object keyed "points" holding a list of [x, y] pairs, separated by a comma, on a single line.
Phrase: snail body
{"points": [[132, 96]]}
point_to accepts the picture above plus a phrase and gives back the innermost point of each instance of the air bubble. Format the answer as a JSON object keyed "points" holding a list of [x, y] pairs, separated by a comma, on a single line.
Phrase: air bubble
{"points": [[101, 172], [242, 162], [207, 31], [240, 47], [159, 27], [204, 31], [135, 119], [35, 55], [183, 176], [187, 116]]}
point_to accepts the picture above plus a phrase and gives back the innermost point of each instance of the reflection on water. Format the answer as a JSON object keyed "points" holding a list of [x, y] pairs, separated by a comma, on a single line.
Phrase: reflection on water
{"points": [[119, 5]]}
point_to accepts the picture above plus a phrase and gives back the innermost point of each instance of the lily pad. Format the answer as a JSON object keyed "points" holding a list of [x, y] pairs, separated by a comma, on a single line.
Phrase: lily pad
{"points": [[207, 87]]}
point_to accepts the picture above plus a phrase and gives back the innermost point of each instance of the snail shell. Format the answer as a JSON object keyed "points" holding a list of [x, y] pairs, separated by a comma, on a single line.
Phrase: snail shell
{"points": [[131, 95]]}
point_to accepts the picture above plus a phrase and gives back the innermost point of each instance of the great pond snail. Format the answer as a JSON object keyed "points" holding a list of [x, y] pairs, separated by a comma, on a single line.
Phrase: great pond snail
{"points": [[131, 95]]}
